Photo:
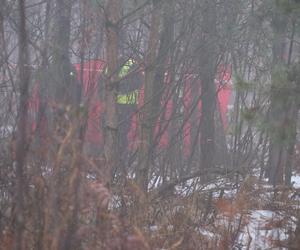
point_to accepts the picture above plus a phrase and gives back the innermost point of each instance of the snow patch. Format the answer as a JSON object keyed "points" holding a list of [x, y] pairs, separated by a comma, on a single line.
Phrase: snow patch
{"points": [[263, 230], [296, 181]]}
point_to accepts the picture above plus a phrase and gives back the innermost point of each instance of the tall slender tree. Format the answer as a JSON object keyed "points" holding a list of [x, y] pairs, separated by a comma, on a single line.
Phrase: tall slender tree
{"points": [[113, 17], [208, 64], [22, 137]]}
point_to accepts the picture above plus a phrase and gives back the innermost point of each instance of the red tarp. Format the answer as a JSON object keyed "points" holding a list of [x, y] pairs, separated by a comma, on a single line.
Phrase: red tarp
{"points": [[91, 78], [93, 85]]}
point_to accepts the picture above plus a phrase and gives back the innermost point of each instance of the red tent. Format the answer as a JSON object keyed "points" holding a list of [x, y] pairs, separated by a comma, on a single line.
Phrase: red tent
{"points": [[89, 73]]}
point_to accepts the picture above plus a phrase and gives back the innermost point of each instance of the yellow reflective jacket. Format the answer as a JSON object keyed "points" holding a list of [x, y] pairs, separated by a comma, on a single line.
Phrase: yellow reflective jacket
{"points": [[126, 68], [130, 98]]}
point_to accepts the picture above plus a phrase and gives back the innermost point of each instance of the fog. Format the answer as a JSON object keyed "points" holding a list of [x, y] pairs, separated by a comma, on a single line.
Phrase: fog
{"points": [[149, 124]]}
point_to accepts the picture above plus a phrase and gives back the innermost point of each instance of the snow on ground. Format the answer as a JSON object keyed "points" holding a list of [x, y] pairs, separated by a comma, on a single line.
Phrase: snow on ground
{"points": [[210, 235], [264, 229], [6, 131], [195, 184], [296, 180], [260, 229]]}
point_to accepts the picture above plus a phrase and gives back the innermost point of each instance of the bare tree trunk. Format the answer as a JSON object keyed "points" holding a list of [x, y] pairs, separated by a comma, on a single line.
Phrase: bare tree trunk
{"points": [[60, 86], [208, 90], [277, 151], [293, 112], [2, 3], [165, 42], [65, 91], [162, 86], [148, 117], [113, 12], [21, 150]]}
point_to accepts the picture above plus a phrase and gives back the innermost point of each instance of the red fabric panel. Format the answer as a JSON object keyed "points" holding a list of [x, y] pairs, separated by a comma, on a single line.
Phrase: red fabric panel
{"points": [[162, 127], [91, 77], [91, 74], [223, 101], [133, 135], [223, 81], [187, 106], [33, 107]]}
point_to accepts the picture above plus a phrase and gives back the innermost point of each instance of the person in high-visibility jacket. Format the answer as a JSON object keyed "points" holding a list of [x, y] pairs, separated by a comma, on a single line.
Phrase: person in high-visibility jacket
{"points": [[127, 100]]}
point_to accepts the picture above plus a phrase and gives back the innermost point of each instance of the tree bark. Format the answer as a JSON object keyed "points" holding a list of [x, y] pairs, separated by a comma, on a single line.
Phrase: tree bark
{"points": [[22, 143], [60, 89], [208, 91], [147, 117], [113, 10], [277, 151]]}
